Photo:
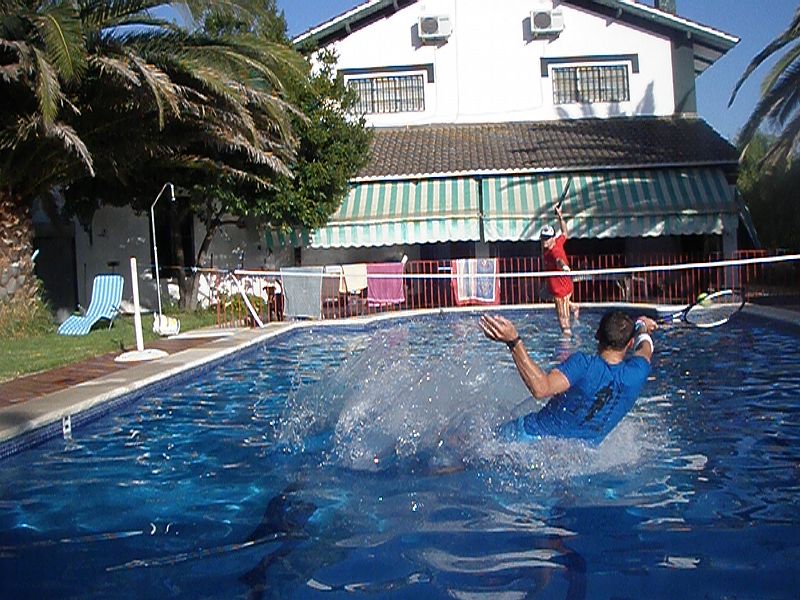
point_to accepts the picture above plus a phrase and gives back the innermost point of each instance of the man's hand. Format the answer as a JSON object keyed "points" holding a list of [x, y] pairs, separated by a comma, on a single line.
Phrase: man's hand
{"points": [[558, 211], [649, 324], [498, 328]]}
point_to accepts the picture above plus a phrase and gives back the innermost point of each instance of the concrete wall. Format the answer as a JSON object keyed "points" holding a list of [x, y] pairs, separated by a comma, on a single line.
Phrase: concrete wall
{"points": [[116, 234]]}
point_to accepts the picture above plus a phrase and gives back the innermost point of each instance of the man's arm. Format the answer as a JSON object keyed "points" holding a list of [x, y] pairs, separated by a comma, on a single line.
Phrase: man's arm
{"points": [[561, 222], [643, 342], [540, 384]]}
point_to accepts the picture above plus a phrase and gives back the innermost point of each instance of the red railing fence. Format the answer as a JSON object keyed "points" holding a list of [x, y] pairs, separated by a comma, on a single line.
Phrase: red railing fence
{"points": [[427, 285]]}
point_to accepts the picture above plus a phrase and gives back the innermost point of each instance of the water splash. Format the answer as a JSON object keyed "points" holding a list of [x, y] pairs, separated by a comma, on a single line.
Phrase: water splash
{"points": [[431, 394]]}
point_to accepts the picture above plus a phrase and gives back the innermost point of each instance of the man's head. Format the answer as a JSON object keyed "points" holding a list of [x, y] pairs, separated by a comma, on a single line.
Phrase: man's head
{"points": [[615, 331], [547, 235]]}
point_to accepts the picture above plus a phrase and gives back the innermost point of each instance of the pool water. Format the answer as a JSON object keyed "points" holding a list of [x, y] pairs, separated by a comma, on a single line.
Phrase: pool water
{"points": [[363, 460]]}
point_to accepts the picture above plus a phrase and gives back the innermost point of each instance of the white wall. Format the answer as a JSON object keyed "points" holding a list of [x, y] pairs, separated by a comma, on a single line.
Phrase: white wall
{"points": [[116, 235], [489, 68], [119, 233], [241, 248]]}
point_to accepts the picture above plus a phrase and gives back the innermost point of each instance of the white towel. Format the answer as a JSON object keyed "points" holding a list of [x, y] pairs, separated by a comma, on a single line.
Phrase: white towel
{"points": [[355, 278], [302, 292]]}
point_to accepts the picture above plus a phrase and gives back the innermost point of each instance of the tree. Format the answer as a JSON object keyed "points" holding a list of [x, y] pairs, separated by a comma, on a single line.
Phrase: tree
{"points": [[779, 104], [771, 195], [103, 91], [41, 51], [333, 146]]}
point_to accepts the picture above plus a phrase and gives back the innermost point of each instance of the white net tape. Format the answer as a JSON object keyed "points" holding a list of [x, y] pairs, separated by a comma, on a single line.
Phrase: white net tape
{"points": [[575, 273]]}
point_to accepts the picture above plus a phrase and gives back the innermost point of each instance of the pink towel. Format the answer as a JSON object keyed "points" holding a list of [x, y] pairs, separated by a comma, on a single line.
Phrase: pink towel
{"points": [[385, 290]]}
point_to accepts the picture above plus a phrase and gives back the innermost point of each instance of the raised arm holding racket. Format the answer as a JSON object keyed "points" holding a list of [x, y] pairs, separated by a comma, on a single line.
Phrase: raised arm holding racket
{"points": [[555, 259]]}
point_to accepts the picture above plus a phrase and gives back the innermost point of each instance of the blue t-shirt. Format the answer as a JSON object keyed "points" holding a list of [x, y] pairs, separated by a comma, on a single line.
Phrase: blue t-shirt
{"points": [[599, 396]]}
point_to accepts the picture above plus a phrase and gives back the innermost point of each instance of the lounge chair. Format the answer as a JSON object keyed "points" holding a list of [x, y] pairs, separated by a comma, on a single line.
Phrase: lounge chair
{"points": [[106, 299]]}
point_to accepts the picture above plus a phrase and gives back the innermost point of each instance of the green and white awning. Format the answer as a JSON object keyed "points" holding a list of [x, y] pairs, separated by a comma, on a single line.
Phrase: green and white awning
{"points": [[397, 213], [605, 204], [611, 204]]}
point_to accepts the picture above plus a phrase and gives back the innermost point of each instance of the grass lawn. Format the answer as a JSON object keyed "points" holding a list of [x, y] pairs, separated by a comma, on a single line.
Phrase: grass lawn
{"points": [[47, 351]]}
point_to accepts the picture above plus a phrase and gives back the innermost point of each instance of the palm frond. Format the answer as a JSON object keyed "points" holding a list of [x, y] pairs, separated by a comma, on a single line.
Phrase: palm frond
{"points": [[13, 71], [163, 90], [101, 14], [784, 148], [62, 36], [48, 90], [221, 169], [72, 142], [779, 100], [115, 67], [788, 36], [788, 88], [30, 127]]}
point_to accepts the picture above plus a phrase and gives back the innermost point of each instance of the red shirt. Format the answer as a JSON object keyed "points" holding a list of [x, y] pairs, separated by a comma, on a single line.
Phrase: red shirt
{"points": [[560, 287]]}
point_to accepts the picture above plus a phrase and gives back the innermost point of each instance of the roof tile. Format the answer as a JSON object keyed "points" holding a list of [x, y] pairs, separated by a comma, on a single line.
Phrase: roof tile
{"points": [[577, 144]]}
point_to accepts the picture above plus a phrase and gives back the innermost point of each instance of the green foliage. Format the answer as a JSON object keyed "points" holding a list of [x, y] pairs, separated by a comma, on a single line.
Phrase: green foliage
{"points": [[771, 195], [106, 92], [268, 22], [334, 146], [108, 101], [24, 317], [779, 105]]}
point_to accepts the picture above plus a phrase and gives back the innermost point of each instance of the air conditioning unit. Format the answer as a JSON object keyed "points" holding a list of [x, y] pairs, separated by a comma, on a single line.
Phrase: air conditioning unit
{"points": [[548, 21], [435, 27]]}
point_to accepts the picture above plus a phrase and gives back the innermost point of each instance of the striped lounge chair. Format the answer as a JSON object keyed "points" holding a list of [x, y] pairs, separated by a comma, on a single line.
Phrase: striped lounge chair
{"points": [[106, 298]]}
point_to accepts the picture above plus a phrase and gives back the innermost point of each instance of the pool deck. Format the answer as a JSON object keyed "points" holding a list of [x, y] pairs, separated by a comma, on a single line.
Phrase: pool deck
{"points": [[34, 401]]}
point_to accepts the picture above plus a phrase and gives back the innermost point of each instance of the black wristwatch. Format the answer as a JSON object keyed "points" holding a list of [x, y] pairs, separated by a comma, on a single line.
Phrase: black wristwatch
{"points": [[513, 343]]}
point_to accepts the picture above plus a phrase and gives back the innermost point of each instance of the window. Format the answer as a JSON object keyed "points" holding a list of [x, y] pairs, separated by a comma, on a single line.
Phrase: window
{"points": [[608, 83], [391, 94]]}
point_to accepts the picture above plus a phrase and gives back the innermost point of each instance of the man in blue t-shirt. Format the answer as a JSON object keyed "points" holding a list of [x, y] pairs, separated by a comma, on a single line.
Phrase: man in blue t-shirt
{"points": [[589, 393]]}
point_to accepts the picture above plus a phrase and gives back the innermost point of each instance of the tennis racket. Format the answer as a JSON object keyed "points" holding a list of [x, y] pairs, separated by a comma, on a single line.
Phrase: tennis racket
{"points": [[563, 194], [709, 311]]}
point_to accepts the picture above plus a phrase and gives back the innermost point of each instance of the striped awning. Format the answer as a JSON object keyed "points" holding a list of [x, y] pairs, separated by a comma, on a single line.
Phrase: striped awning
{"points": [[396, 213], [611, 204]]}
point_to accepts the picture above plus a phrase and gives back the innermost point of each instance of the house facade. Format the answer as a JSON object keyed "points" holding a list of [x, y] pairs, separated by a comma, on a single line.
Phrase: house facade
{"points": [[484, 117], [485, 114]]}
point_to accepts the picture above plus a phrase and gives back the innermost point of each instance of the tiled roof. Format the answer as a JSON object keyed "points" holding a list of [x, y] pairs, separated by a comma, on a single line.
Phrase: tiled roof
{"points": [[565, 145]]}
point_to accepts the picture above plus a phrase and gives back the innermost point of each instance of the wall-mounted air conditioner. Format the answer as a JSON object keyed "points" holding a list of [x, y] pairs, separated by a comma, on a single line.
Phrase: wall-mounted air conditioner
{"points": [[547, 21], [435, 27]]}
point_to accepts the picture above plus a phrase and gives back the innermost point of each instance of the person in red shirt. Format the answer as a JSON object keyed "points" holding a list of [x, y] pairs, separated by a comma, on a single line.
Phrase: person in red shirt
{"points": [[555, 259]]}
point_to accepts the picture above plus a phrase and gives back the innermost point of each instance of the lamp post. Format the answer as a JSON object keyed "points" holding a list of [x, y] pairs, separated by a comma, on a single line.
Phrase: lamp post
{"points": [[155, 245]]}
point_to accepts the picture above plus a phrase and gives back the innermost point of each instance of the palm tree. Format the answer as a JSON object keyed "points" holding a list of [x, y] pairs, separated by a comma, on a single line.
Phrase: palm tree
{"points": [[92, 87], [780, 96]]}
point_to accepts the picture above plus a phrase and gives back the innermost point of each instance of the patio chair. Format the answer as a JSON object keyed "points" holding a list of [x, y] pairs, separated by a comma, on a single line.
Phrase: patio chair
{"points": [[105, 303]]}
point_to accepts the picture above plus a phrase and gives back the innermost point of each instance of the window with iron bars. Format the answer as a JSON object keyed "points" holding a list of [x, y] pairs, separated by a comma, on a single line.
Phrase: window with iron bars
{"points": [[608, 83], [390, 94]]}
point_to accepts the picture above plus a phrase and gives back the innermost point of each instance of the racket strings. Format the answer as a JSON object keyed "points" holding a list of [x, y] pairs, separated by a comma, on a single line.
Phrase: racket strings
{"points": [[716, 309]]}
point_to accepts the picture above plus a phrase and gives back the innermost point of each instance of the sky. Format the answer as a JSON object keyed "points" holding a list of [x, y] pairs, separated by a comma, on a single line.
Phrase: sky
{"points": [[755, 22]]}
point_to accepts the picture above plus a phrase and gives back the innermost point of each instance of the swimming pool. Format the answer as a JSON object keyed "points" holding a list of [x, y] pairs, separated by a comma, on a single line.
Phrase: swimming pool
{"points": [[328, 462]]}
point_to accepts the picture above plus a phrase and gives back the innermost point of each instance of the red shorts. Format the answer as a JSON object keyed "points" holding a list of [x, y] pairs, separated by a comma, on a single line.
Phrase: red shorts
{"points": [[560, 287]]}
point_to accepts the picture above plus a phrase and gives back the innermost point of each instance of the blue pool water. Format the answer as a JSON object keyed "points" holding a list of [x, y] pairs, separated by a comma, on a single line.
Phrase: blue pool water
{"points": [[361, 462]]}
